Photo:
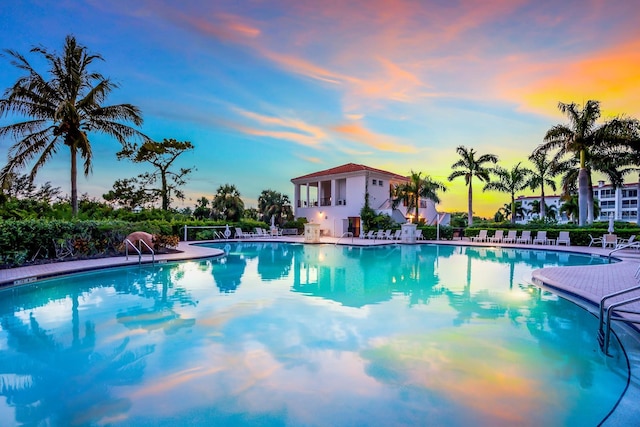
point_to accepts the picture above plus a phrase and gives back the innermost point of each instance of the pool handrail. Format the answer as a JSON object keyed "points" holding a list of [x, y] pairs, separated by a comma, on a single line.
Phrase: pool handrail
{"points": [[141, 242], [346, 233], [604, 327]]}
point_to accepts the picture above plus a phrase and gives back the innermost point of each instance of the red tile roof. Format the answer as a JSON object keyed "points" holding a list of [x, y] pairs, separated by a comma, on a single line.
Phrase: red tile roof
{"points": [[350, 168]]}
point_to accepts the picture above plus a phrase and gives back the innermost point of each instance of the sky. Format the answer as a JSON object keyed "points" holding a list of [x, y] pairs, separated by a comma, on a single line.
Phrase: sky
{"points": [[268, 90]]}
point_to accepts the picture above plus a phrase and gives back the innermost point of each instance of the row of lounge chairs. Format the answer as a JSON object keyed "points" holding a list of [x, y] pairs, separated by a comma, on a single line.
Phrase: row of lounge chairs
{"points": [[259, 233], [525, 237], [388, 235]]}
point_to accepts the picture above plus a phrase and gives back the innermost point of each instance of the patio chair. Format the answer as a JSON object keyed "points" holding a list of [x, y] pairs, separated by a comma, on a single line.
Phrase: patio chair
{"points": [[387, 234], [369, 235], [525, 237], [481, 237], [497, 237], [380, 235], [563, 237], [396, 235], [541, 237], [609, 240], [595, 240], [511, 237], [419, 235]]}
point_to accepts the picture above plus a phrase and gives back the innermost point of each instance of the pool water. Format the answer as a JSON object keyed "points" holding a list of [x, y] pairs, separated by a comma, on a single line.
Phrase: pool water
{"points": [[281, 334]]}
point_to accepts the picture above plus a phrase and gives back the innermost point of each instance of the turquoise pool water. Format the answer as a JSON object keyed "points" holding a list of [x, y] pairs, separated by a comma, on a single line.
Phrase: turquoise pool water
{"points": [[279, 334]]}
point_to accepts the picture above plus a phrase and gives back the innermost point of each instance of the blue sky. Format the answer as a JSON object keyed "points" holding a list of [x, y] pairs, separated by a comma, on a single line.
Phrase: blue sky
{"points": [[271, 90]]}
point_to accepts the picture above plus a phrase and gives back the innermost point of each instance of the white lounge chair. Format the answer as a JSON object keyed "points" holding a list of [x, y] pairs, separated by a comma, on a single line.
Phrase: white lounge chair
{"points": [[511, 237], [626, 242], [387, 234], [563, 238], [595, 240], [541, 237], [242, 235], [525, 237], [369, 235], [481, 237], [497, 237], [380, 235], [419, 235], [396, 235]]}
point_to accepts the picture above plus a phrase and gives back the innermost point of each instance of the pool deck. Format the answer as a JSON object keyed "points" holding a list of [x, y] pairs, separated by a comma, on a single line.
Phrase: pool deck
{"points": [[585, 285]]}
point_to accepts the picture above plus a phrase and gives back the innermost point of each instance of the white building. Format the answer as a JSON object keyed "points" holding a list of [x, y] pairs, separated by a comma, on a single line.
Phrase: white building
{"points": [[621, 203], [334, 197]]}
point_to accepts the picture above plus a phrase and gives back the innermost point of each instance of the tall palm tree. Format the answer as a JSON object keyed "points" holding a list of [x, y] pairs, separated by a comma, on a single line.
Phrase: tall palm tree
{"points": [[61, 108], [541, 175], [415, 189], [510, 181], [582, 136], [470, 166]]}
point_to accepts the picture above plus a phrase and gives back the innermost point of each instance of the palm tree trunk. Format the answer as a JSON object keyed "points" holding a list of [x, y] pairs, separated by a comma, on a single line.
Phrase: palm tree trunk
{"points": [[583, 197], [543, 208], [417, 201], [470, 213], [513, 209], [74, 183], [590, 211]]}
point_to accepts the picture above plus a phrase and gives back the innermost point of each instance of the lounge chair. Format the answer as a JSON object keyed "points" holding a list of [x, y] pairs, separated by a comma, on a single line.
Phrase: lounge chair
{"points": [[511, 237], [387, 234], [369, 235], [396, 235], [626, 242], [541, 237], [525, 237], [419, 235], [563, 237], [380, 235], [241, 234], [497, 237], [481, 237], [595, 240]]}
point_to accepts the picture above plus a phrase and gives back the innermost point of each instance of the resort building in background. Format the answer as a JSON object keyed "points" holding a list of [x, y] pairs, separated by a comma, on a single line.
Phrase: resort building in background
{"points": [[620, 203], [334, 198]]}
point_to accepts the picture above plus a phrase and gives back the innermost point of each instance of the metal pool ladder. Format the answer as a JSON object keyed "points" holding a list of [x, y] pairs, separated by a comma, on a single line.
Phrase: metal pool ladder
{"points": [[128, 243], [345, 234], [606, 313]]}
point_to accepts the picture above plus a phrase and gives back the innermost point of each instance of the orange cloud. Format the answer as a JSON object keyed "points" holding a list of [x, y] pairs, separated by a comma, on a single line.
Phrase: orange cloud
{"points": [[293, 130], [610, 76], [356, 132]]}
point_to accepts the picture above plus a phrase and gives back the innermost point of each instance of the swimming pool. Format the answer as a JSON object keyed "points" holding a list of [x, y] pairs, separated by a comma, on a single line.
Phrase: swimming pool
{"points": [[286, 334]]}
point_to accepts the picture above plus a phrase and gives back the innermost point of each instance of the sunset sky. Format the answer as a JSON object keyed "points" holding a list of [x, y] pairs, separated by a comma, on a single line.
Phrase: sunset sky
{"points": [[271, 90]]}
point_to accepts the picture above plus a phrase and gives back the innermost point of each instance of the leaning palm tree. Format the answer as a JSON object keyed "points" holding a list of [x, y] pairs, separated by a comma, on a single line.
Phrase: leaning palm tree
{"points": [[469, 166], [61, 109], [510, 181], [415, 189], [581, 137]]}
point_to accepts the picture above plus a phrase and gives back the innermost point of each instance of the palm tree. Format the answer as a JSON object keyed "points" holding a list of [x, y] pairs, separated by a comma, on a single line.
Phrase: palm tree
{"points": [[61, 110], [541, 174], [415, 189], [517, 179], [272, 204], [227, 203], [470, 166], [570, 207], [581, 137]]}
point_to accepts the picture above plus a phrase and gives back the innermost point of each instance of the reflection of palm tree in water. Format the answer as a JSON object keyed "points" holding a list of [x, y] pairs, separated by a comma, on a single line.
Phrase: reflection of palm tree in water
{"points": [[274, 261], [64, 386], [228, 274]]}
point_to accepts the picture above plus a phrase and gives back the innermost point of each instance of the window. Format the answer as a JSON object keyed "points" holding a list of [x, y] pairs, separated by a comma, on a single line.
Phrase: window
{"points": [[629, 193], [604, 194], [629, 203], [375, 181], [380, 183], [608, 204]]}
